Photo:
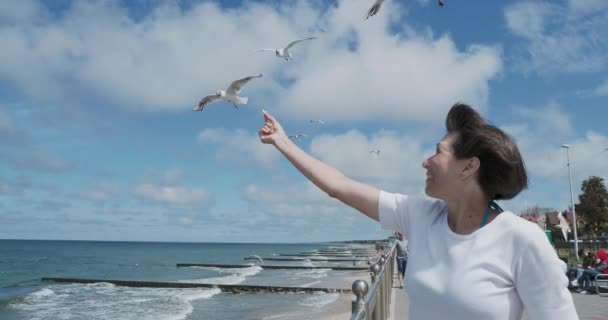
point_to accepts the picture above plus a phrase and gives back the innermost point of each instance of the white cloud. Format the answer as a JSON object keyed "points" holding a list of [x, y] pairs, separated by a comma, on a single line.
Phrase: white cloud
{"points": [[102, 193], [601, 90], [171, 58], [540, 137], [560, 38], [239, 146], [6, 122], [174, 175], [9, 132], [581, 7], [303, 207], [37, 160], [172, 195], [529, 19], [295, 200], [548, 120], [18, 11], [398, 167]]}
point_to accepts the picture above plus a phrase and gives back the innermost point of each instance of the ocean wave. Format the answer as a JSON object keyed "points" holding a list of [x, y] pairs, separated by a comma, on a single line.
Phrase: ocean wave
{"points": [[43, 292], [106, 301], [237, 275], [313, 273], [249, 271], [306, 285], [320, 300], [232, 279]]}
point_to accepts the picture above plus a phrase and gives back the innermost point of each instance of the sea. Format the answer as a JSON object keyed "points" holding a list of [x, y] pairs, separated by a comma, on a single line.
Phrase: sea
{"points": [[24, 296]]}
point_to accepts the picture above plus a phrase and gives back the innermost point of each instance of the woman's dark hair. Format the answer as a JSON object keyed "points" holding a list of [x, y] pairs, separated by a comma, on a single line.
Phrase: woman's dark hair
{"points": [[502, 173]]}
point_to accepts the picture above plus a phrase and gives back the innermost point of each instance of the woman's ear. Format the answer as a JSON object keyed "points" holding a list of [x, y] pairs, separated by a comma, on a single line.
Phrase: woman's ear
{"points": [[471, 166]]}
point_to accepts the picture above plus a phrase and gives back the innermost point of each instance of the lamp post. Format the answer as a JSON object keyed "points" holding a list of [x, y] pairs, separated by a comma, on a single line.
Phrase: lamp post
{"points": [[567, 147]]}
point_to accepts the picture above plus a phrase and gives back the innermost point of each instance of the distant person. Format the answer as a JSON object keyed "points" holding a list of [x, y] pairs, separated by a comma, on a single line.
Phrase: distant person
{"points": [[468, 259], [401, 257], [601, 267], [588, 263]]}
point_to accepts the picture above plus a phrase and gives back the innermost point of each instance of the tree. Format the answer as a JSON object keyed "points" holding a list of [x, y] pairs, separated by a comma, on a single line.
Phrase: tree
{"points": [[593, 205]]}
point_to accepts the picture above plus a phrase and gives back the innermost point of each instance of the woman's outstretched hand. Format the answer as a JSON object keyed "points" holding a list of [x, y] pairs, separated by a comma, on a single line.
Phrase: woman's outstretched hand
{"points": [[272, 131]]}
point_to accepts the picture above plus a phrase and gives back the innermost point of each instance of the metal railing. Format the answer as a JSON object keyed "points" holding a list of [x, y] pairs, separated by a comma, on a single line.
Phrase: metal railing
{"points": [[374, 303]]}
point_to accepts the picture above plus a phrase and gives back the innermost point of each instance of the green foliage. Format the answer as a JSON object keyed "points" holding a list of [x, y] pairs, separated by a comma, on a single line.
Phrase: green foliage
{"points": [[593, 205]]}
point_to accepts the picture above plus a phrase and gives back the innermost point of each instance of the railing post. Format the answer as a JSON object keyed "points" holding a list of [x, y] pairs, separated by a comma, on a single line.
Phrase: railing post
{"points": [[375, 271], [382, 295], [360, 288]]}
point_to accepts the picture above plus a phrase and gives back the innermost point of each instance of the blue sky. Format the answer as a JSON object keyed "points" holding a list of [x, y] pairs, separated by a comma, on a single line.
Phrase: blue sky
{"points": [[98, 140]]}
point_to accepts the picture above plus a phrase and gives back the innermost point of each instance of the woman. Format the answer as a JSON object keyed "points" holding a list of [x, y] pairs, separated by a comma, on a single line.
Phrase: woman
{"points": [[468, 259]]}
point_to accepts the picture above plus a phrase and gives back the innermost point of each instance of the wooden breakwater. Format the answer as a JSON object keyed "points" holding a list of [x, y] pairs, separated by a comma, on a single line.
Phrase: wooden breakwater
{"points": [[231, 288], [323, 255], [232, 266]]}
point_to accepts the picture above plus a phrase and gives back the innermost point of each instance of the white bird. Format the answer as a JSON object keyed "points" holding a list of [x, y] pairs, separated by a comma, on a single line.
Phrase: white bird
{"points": [[229, 95], [284, 52], [377, 152], [374, 9], [316, 121], [297, 136], [563, 224]]}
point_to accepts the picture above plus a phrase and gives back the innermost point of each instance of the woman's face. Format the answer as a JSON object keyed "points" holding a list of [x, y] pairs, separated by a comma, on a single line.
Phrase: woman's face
{"points": [[443, 170]]}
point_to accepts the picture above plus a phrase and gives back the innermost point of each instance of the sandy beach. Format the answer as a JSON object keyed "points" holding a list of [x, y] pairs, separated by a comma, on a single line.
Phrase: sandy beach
{"points": [[338, 309]]}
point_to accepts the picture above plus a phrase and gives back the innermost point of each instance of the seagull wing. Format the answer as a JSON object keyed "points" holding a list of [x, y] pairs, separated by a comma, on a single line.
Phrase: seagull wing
{"points": [[374, 9], [236, 86], [298, 41], [205, 101], [267, 49]]}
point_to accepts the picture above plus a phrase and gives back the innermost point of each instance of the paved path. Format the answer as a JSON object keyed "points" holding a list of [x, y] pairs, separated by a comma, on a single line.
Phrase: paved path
{"points": [[589, 307]]}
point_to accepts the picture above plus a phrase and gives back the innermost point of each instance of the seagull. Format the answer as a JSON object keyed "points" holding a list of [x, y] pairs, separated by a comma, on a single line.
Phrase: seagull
{"points": [[297, 136], [316, 121], [563, 224], [284, 52], [377, 152], [440, 3], [374, 9], [230, 95]]}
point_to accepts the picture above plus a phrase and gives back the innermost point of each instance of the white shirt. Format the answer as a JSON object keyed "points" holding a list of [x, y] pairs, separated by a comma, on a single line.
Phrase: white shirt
{"points": [[496, 272]]}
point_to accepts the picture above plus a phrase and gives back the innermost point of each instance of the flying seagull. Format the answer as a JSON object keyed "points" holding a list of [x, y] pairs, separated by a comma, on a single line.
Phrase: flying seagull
{"points": [[440, 3], [298, 136], [230, 95], [284, 52], [374, 9], [377, 152], [563, 224]]}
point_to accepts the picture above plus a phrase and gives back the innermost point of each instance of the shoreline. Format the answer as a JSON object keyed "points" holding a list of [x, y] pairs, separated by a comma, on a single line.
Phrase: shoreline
{"points": [[339, 309]]}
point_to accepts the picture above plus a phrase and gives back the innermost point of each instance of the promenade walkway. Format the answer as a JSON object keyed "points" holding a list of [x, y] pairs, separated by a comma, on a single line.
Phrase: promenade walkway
{"points": [[589, 307]]}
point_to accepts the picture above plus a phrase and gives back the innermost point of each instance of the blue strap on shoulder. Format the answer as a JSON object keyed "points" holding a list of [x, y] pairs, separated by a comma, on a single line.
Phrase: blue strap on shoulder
{"points": [[486, 215]]}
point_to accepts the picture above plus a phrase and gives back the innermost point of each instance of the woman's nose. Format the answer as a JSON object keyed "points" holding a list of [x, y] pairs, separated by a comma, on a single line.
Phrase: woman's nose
{"points": [[425, 163]]}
